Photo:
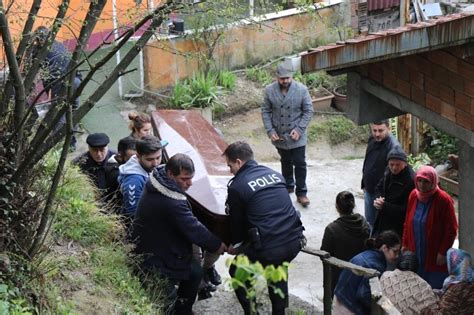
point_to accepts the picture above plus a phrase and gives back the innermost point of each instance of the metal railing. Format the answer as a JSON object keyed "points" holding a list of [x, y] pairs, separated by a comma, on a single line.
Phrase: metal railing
{"points": [[380, 303]]}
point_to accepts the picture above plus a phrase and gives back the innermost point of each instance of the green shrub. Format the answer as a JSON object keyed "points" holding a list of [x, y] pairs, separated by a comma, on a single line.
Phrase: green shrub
{"points": [[200, 91], [439, 144], [179, 95], [226, 79], [337, 130], [259, 75]]}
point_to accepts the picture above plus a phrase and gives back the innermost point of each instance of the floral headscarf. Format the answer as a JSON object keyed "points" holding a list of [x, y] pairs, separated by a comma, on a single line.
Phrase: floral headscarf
{"points": [[459, 268], [428, 173]]}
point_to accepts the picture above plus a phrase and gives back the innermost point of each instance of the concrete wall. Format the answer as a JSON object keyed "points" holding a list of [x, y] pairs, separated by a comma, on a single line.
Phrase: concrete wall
{"points": [[440, 80], [167, 60]]}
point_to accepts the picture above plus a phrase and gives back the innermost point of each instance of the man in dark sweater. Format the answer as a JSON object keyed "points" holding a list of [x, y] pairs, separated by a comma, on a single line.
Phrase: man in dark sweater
{"points": [[380, 143], [165, 230], [392, 193]]}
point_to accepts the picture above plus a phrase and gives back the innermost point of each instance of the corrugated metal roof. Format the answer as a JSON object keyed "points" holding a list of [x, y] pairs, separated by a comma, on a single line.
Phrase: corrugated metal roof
{"points": [[455, 29], [382, 4]]}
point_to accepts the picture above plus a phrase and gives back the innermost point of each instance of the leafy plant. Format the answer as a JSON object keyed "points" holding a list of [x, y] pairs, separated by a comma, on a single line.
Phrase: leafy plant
{"points": [[438, 145], [418, 161], [226, 79], [201, 91], [253, 278], [337, 130], [259, 75]]}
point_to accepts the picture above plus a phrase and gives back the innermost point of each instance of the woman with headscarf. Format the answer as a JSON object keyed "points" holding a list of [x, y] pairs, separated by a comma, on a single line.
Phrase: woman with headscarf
{"points": [[430, 226], [457, 294]]}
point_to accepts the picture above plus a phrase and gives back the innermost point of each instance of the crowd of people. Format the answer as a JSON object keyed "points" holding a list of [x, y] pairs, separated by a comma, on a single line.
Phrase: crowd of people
{"points": [[408, 217]]}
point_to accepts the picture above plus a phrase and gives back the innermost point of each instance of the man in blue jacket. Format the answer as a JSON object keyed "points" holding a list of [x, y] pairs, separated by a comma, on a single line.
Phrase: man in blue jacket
{"points": [[264, 224], [165, 230], [135, 172]]}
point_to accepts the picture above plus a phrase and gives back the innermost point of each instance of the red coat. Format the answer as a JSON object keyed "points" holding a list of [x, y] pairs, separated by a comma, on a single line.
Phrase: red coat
{"points": [[441, 228]]}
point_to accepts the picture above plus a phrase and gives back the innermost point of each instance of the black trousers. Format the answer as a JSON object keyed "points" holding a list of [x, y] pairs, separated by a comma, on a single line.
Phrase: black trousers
{"points": [[293, 166], [276, 257], [181, 294]]}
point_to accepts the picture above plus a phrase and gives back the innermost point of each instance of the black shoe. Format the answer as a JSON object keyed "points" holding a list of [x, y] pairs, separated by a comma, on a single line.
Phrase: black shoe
{"points": [[213, 276], [204, 293]]}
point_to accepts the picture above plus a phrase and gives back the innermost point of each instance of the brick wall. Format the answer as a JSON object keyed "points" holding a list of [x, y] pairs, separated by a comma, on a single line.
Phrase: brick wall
{"points": [[440, 80]]}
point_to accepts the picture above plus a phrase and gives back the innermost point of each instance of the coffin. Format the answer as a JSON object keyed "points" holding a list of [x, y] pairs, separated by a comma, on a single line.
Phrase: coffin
{"points": [[189, 133]]}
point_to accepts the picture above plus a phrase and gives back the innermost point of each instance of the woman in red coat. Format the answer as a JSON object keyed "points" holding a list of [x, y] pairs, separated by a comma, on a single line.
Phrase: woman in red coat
{"points": [[430, 226]]}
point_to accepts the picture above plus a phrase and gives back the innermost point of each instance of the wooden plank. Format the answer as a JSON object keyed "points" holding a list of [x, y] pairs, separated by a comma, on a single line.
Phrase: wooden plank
{"points": [[327, 284], [358, 270]]}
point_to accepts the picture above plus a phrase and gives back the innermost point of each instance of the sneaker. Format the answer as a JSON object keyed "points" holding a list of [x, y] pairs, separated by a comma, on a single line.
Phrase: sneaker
{"points": [[213, 276], [291, 190], [303, 200]]}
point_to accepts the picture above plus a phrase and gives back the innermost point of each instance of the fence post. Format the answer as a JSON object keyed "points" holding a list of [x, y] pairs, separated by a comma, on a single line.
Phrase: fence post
{"points": [[327, 281]]}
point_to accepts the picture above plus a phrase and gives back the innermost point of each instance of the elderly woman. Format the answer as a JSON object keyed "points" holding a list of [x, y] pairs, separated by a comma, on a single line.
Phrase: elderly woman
{"points": [[430, 226], [457, 294]]}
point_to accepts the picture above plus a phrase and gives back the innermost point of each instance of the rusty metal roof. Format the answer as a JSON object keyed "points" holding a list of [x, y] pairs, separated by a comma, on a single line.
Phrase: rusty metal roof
{"points": [[450, 30]]}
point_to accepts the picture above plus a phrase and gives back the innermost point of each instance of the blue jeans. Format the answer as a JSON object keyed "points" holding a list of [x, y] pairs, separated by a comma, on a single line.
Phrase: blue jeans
{"points": [[293, 166], [369, 209]]}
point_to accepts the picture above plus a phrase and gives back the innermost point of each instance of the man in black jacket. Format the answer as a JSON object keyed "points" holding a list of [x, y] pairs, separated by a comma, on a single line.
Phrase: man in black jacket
{"points": [[392, 193], [379, 144], [264, 224], [165, 230], [93, 161]]}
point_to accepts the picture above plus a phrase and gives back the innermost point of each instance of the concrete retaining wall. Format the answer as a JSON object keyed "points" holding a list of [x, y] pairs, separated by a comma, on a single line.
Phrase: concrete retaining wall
{"points": [[169, 59]]}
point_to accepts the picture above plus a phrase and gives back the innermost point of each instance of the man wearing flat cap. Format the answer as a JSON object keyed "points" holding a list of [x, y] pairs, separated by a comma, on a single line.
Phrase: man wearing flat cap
{"points": [[94, 160], [286, 112], [392, 193]]}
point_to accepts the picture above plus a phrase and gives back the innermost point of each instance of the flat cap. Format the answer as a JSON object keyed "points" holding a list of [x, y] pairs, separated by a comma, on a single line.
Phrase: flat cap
{"points": [[97, 140], [284, 70], [397, 153]]}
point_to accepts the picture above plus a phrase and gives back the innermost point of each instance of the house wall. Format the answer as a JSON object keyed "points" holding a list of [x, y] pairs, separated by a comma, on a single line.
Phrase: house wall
{"points": [[440, 80], [170, 59]]}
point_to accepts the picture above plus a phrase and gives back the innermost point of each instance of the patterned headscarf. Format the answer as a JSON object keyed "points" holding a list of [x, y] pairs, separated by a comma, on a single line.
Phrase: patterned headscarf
{"points": [[459, 267], [428, 173]]}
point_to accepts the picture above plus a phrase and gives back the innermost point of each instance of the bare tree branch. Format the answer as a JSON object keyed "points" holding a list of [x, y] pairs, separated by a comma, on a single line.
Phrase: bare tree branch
{"points": [[20, 97], [43, 52], [42, 148], [25, 39], [46, 215]]}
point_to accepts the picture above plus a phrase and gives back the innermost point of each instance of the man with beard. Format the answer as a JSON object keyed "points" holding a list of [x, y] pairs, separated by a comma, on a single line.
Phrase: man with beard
{"points": [[135, 173], [286, 112], [380, 143]]}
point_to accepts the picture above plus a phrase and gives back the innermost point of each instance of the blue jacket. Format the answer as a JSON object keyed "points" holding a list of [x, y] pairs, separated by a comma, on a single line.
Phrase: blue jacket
{"points": [[258, 197], [131, 180], [164, 228], [354, 291], [375, 161]]}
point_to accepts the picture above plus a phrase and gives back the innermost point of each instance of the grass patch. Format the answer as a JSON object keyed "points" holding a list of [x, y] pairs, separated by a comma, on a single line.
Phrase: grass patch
{"points": [[261, 76], [337, 130], [85, 268]]}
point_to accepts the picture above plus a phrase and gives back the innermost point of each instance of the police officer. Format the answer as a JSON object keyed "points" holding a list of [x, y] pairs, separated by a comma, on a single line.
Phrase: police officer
{"points": [[93, 161], [264, 224]]}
